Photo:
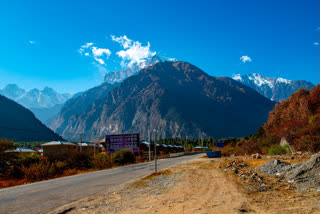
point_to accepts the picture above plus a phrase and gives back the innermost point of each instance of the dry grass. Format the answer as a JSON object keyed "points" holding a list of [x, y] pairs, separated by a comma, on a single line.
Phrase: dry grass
{"points": [[259, 162], [256, 162], [4, 183]]}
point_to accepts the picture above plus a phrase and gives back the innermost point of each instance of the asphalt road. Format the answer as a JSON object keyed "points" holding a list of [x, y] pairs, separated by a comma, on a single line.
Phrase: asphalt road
{"points": [[44, 196]]}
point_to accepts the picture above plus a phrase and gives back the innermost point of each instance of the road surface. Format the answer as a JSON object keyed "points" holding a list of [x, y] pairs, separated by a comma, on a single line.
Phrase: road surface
{"points": [[44, 196]]}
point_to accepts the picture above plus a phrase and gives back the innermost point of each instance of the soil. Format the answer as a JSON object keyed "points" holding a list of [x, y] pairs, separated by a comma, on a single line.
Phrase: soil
{"points": [[201, 186]]}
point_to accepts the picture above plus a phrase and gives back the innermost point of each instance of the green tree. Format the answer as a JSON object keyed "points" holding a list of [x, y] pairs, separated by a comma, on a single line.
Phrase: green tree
{"points": [[6, 158]]}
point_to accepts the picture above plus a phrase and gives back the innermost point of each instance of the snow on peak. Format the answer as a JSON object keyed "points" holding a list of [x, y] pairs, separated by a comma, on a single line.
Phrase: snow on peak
{"points": [[281, 80], [260, 80], [237, 77]]}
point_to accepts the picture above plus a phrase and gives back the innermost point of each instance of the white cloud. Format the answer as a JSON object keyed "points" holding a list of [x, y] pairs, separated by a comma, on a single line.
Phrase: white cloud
{"points": [[245, 59], [84, 47], [316, 43], [134, 52], [99, 60], [32, 42], [97, 53], [123, 40]]}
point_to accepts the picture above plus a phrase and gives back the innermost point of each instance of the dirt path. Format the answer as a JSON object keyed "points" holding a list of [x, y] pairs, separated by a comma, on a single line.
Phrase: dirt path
{"points": [[193, 187]]}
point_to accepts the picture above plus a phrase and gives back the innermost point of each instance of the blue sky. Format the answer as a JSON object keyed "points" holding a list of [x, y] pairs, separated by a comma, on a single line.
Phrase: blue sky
{"points": [[41, 40]]}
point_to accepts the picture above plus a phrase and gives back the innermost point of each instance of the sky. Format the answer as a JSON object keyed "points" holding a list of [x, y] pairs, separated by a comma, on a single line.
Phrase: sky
{"points": [[70, 45]]}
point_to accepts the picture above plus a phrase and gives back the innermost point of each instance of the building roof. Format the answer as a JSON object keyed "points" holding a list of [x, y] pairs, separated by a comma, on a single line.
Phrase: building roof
{"points": [[89, 144], [164, 145], [103, 140], [200, 147], [21, 149], [54, 143]]}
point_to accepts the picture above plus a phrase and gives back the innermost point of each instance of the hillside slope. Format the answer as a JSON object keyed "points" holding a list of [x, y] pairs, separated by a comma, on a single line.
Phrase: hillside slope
{"points": [[76, 105], [20, 124], [178, 99], [298, 120]]}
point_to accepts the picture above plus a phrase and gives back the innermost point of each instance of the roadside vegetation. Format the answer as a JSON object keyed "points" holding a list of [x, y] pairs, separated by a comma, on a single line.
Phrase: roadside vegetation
{"points": [[23, 168]]}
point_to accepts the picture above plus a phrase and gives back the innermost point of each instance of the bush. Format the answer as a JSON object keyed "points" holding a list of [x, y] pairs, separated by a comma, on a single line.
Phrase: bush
{"points": [[37, 171], [101, 161], [28, 159], [6, 158], [60, 167], [123, 157], [278, 150], [73, 159]]}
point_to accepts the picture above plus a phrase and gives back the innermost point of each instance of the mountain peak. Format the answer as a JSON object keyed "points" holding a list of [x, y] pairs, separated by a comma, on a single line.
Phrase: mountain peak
{"points": [[277, 89], [120, 75], [34, 98], [178, 99], [12, 86]]}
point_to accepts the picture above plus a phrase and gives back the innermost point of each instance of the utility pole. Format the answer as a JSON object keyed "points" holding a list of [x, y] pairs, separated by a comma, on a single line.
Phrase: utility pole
{"points": [[149, 145], [80, 142], [155, 151], [131, 142]]}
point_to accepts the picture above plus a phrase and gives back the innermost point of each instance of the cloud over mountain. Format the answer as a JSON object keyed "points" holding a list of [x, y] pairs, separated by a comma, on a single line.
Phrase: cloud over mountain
{"points": [[134, 52], [131, 53]]}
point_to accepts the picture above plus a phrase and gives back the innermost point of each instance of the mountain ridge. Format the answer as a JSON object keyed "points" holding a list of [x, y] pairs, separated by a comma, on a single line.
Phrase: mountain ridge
{"points": [[34, 98], [177, 98], [277, 89], [20, 124], [120, 75]]}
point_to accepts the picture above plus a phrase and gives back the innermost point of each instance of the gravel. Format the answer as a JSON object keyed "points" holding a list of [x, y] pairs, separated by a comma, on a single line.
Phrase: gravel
{"points": [[305, 175], [275, 168]]}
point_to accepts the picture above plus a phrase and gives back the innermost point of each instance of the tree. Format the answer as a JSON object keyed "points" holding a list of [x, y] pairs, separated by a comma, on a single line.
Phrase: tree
{"points": [[6, 158]]}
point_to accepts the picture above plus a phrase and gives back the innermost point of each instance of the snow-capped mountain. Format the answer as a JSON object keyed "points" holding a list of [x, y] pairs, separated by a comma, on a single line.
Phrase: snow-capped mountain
{"points": [[119, 76], [45, 104], [34, 98], [277, 89]]}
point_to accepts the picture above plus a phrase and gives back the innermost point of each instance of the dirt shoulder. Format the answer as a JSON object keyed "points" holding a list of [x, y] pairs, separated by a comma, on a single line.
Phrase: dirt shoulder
{"points": [[198, 186]]}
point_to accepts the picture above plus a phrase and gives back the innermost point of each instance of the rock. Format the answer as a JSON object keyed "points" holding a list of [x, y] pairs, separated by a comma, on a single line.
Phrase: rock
{"points": [[256, 156], [307, 173], [275, 167]]}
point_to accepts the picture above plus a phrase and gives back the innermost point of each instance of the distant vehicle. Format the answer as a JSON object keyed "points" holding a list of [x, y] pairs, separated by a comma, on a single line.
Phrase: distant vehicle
{"points": [[216, 154]]}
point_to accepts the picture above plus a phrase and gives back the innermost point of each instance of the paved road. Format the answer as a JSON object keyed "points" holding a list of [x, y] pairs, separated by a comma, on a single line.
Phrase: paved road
{"points": [[44, 196]]}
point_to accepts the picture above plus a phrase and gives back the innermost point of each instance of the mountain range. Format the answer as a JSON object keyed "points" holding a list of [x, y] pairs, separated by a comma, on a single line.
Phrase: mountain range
{"points": [[277, 89], [176, 98], [20, 124], [43, 103]]}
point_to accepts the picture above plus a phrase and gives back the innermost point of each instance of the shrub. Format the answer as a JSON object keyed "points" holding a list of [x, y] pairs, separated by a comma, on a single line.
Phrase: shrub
{"points": [[28, 159], [6, 158], [60, 167], [122, 157], [70, 172], [37, 171], [277, 150], [73, 159], [101, 161]]}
